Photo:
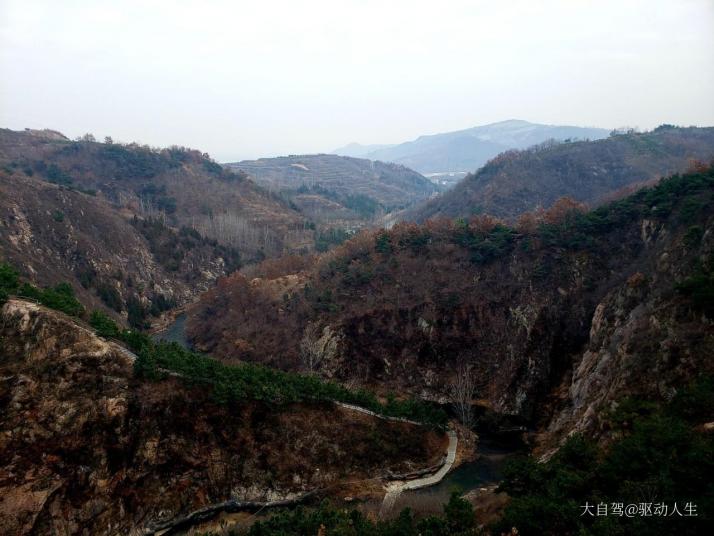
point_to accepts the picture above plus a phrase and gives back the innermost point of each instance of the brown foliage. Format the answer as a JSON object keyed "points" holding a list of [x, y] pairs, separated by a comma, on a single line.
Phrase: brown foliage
{"points": [[280, 266], [698, 166], [528, 222], [562, 209], [129, 448], [484, 223], [439, 226]]}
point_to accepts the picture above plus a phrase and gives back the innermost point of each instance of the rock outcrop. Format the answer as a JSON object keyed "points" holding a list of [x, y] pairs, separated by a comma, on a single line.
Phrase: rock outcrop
{"points": [[86, 448], [643, 342]]}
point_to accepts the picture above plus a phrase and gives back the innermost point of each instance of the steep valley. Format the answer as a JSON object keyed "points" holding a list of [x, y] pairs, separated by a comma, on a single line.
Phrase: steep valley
{"points": [[221, 315], [114, 261], [559, 318], [336, 372]]}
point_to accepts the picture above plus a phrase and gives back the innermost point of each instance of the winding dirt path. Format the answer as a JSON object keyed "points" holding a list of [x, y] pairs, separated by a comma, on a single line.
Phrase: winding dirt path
{"points": [[394, 489]]}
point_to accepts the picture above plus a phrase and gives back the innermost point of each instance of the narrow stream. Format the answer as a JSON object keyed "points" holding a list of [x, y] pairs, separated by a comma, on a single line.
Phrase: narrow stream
{"points": [[174, 332]]}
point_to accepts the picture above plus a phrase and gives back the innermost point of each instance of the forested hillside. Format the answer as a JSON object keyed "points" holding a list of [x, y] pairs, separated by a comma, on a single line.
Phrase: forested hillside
{"points": [[526, 308], [338, 191], [133, 229], [179, 185], [515, 182]]}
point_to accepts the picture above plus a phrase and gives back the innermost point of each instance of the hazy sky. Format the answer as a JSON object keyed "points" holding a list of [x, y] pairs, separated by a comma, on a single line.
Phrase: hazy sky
{"points": [[242, 79]]}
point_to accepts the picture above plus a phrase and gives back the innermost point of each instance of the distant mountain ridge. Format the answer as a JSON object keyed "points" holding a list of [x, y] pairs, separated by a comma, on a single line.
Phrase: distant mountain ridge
{"points": [[471, 148]]}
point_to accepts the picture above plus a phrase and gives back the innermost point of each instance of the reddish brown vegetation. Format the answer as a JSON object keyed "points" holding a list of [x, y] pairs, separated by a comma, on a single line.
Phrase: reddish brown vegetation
{"points": [[280, 266], [410, 303]]}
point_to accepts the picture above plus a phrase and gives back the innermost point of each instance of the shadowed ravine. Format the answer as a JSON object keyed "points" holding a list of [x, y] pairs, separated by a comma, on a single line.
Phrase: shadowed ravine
{"points": [[423, 495]]}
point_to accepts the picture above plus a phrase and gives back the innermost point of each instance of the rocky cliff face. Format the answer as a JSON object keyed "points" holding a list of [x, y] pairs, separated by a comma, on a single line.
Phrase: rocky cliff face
{"points": [[644, 341], [85, 448], [54, 235]]}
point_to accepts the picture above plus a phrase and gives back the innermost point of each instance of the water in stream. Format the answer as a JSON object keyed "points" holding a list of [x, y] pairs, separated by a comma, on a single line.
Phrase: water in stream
{"points": [[174, 332], [484, 471]]}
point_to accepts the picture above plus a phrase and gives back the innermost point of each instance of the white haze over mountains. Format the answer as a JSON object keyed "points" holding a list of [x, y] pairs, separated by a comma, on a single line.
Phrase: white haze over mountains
{"points": [[246, 79], [357, 150], [467, 150]]}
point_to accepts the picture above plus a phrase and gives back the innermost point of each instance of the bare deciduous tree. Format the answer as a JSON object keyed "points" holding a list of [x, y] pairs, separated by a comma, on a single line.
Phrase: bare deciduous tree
{"points": [[233, 229], [317, 346], [462, 389]]}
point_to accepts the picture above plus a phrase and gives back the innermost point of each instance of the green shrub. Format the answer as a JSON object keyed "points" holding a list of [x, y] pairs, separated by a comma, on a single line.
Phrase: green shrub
{"points": [[630, 410], [695, 403], [362, 204], [323, 301], [699, 288], [690, 210], [61, 297], [383, 243], [459, 514], [212, 167], [137, 162], [105, 326], [541, 269], [230, 384], [55, 175], [136, 313], [458, 519], [161, 303], [684, 193], [416, 241], [332, 237], [9, 278], [484, 246], [86, 275], [693, 236], [358, 275], [167, 204]]}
